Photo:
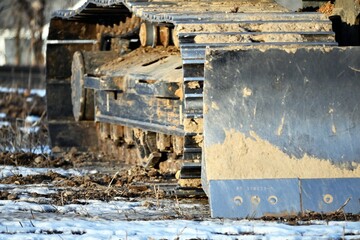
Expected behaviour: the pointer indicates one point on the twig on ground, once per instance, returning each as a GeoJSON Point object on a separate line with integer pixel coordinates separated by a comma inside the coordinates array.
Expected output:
{"type": "Point", "coordinates": [32, 214]}
{"type": "Point", "coordinates": [157, 195]}
{"type": "Point", "coordinates": [178, 206]}
{"type": "Point", "coordinates": [342, 207]}
{"type": "Point", "coordinates": [112, 180]}
{"type": "Point", "coordinates": [180, 233]}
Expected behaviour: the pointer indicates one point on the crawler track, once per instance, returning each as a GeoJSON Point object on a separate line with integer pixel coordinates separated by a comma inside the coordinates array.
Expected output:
{"type": "Point", "coordinates": [171, 136]}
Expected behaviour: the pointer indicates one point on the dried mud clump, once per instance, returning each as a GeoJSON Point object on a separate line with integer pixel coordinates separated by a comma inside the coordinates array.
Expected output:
{"type": "Point", "coordinates": [32, 179]}
{"type": "Point", "coordinates": [5, 195]}
{"type": "Point", "coordinates": [326, 8]}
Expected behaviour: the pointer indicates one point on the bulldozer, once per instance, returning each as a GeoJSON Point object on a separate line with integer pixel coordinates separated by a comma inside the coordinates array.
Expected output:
{"type": "Point", "coordinates": [253, 100]}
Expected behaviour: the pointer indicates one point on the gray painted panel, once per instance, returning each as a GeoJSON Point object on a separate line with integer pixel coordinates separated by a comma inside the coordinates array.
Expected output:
{"type": "Point", "coordinates": [254, 198]}
{"type": "Point", "coordinates": [328, 195]}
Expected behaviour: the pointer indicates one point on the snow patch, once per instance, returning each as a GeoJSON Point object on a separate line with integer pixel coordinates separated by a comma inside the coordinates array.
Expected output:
{"type": "Point", "coordinates": [39, 92]}
{"type": "Point", "coordinates": [4, 124]}
{"type": "Point", "coordinates": [8, 171]}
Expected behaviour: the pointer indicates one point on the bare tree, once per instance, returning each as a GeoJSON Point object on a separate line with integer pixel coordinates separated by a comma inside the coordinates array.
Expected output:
{"type": "Point", "coordinates": [33, 12]}
{"type": "Point", "coordinates": [23, 15]}
{"type": "Point", "coordinates": [31, 15]}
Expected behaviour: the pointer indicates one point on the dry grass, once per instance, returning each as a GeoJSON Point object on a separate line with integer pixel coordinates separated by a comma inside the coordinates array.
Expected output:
{"type": "Point", "coordinates": [17, 134]}
{"type": "Point", "coordinates": [21, 136]}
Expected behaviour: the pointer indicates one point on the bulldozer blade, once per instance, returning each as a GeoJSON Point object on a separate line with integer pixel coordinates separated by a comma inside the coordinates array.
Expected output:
{"type": "Point", "coordinates": [282, 130]}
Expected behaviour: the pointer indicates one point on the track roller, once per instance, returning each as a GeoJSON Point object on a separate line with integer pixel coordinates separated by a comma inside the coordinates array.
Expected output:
{"type": "Point", "coordinates": [148, 34]}
{"type": "Point", "coordinates": [85, 63]}
{"type": "Point", "coordinates": [147, 149]}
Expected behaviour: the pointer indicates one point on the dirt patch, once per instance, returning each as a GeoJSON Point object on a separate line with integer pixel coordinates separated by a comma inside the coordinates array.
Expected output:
{"type": "Point", "coordinates": [188, 7]}
{"type": "Point", "coordinates": [307, 218]}
{"type": "Point", "coordinates": [207, 38]}
{"type": "Point", "coordinates": [255, 27]}
{"type": "Point", "coordinates": [257, 158]}
{"type": "Point", "coordinates": [133, 182]}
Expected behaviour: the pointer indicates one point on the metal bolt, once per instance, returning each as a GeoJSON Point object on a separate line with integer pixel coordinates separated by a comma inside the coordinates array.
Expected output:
{"type": "Point", "coordinates": [328, 198]}
{"type": "Point", "coordinates": [238, 200]}
{"type": "Point", "coordinates": [255, 200]}
{"type": "Point", "coordinates": [273, 200]}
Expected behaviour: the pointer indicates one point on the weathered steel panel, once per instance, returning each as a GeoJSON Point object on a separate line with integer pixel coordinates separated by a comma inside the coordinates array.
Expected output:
{"type": "Point", "coordinates": [330, 195]}
{"type": "Point", "coordinates": [283, 113]}
{"type": "Point", "coordinates": [254, 198]}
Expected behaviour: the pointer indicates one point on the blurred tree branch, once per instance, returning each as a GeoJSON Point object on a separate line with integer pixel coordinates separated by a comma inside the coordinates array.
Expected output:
{"type": "Point", "coordinates": [31, 15]}
{"type": "Point", "coordinates": [23, 15]}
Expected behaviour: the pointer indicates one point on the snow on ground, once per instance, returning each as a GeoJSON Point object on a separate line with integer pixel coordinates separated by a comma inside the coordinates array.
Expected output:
{"type": "Point", "coordinates": [7, 171]}
{"type": "Point", "coordinates": [37, 149]}
{"type": "Point", "coordinates": [32, 119]}
{"type": "Point", "coordinates": [34, 218]}
{"type": "Point", "coordinates": [39, 92]}
{"type": "Point", "coordinates": [99, 220]}
{"type": "Point", "coordinates": [4, 124]}
{"type": "Point", "coordinates": [30, 126]}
